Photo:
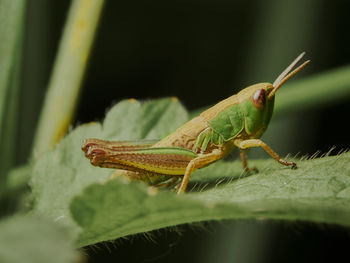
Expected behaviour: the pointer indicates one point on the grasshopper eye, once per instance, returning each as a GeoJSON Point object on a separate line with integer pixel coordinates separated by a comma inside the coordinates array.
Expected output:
{"type": "Point", "coordinates": [259, 99]}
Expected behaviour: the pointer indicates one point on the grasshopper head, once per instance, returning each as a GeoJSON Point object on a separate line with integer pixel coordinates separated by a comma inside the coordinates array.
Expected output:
{"type": "Point", "coordinates": [257, 107]}
{"type": "Point", "coordinates": [258, 100]}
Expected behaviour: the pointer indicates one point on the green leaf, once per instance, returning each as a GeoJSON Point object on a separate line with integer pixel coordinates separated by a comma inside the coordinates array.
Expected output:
{"type": "Point", "coordinates": [28, 239]}
{"type": "Point", "coordinates": [319, 191]}
{"type": "Point", "coordinates": [64, 172]}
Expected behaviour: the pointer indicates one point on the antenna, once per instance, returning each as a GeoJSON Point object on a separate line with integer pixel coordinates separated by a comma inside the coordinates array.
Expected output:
{"type": "Point", "coordinates": [286, 74]}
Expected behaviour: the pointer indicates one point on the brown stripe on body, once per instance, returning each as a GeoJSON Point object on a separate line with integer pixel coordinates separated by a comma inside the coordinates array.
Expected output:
{"type": "Point", "coordinates": [170, 161]}
{"type": "Point", "coordinates": [122, 164]}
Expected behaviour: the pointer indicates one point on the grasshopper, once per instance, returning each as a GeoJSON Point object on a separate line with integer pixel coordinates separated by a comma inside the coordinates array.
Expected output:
{"type": "Point", "coordinates": [238, 121]}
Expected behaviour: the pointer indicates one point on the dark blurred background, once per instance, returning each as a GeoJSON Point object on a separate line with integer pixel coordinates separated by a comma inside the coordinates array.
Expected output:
{"type": "Point", "coordinates": [202, 52]}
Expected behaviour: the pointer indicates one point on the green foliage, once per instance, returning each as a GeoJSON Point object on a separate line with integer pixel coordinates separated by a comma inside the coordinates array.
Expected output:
{"type": "Point", "coordinates": [11, 25]}
{"type": "Point", "coordinates": [33, 240]}
{"type": "Point", "coordinates": [70, 191]}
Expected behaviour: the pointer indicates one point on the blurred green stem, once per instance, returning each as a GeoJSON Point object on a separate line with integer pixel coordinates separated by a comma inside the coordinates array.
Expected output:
{"type": "Point", "coordinates": [68, 71]}
{"type": "Point", "coordinates": [307, 93]}
{"type": "Point", "coordinates": [11, 31]}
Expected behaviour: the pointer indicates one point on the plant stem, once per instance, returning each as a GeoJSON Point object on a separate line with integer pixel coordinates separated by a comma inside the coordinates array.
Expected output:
{"type": "Point", "coordinates": [69, 68]}
{"type": "Point", "coordinates": [326, 87]}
